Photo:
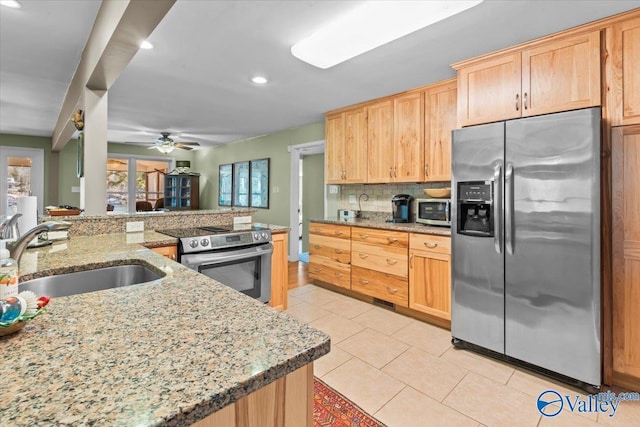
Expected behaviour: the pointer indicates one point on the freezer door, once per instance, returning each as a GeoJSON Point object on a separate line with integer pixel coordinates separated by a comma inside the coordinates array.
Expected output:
{"type": "Point", "coordinates": [477, 296]}
{"type": "Point", "coordinates": [552, 238]}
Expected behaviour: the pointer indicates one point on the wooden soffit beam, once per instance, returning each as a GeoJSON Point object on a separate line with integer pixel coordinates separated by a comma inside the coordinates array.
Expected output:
{"type": "Point", "coordinates": [119, 28]}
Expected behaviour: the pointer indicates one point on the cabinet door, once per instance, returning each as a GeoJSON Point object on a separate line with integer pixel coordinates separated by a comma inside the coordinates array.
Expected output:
{"type": "Point", "coordinates": [439, 120]}
{"type": "Point", "coordinates": [489, 91]}
{"type": "Point", "coordinates": [170, 252]}
{"type": "Point", "coordinates": [279, 272]}
{"type": "Point", "coordinates": [626, 75]}
{"type": "Point", "coordinates": [408, 135]}
{"type": "Point", "coordinates": [334, 149]}
{"type": "Point", "coordinates": [355, 146]}
{"type": "Point", "coordinates": [380, 142]}
{"type": "Point", "coordinates": [626, 256]}
{"type": "Point", "coordinates": [561, 75]}
{"type": "Point", "coordinates": [430, 283]}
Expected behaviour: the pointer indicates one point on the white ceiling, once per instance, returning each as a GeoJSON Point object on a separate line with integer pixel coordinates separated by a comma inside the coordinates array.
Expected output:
{"type": "Point", "coordinates": [195, 82]}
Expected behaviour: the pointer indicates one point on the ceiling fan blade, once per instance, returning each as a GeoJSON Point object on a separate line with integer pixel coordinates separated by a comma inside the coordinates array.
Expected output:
{"type": "Point", "coordinates": [152, 147]}
{"type": "Point", "coordinates": [182, 146]}
{"type": "Point", "coordinates": [188, 143]}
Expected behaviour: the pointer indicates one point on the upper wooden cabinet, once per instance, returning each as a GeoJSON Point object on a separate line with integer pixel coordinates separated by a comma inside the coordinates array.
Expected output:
{"type": "Point", "coordinates": [346, 147]}
{"type": "Point", "coordinates": [408, 137]}
{"type": "Point", "coordinates": [624, 78]}
{"type": "Point", "coordinates": [380, 141]}
{"type": "Point", "coordinates": [558, 75]}
{"type": "Point", "coordinates": [440, 102]}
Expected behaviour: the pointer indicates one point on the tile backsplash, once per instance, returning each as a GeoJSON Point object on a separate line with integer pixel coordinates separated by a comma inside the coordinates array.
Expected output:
{"type": "Point", "coordinates": [380, 194]}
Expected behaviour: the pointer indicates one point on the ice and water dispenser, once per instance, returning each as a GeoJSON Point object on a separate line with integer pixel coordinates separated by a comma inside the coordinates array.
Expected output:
{"type": "Point", "coordinates": [475, 208]}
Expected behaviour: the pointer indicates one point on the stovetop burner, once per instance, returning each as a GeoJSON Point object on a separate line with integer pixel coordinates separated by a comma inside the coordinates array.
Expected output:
{"type": "Point", "coordinates": [216, 230]}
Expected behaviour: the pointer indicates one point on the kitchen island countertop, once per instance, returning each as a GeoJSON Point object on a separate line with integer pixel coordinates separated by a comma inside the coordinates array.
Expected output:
{"type": "Point", "coordinates": [164, 353]}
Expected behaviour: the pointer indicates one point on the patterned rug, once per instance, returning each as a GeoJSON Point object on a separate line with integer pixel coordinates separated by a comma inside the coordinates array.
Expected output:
{"type": "Point", "coordinates": [331, 409]}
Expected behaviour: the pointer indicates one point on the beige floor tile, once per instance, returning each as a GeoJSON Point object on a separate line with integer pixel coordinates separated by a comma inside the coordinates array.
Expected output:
{"type": "Point", "coordinates": [492, 403]}
{"type": "Point", "coordinates": [306, 312]}
{"type": "Point", "coordinates": [302, 289]}
{"type": "Point", "coordinates": [329, 362]}
{"type": "Point", "coordinates": [426, 373]}
{"type": "Point", "coordinates": [337, 327]}
{"type": "Point", "coordinates": [534, 384]}
{"type": "Point", "coordinates": [424, 336]}
{"type": "Point", "coordinates": [627, 415]}
{"type": "Point", "coordinates": [319, 296]}
{"type": "Point", "coordinates": [411, 408]}
{"type": "Point", "coordinates": [292, 300]}
{"type": "Point", "coordinates": [384, 321]}
{"type": "Point", "coordinates": [348, 307]}
{"type": "Point", "coordinates": [365, 385]}
{"type": "Point", "coordinates": [483, 365]}
{"type": "Point", "coordinates": [567, 419]}
{"type": "Point", "coordinates": [373, 347]}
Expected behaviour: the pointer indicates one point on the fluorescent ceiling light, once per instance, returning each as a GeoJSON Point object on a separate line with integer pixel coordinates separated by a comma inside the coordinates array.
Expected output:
{"type": "Point", "coordinates": [10, 3]}
{"type": "Point", "coordinates": [146, 45]}
{"type": "Point", "coordinates": [260, 80]}
{"type": "Point", "coordinates": [371, 25]}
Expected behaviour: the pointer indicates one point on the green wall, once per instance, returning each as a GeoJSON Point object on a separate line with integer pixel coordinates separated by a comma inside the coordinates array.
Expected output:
{"type": "Point", "coordinates": [312, 193]}
{"type": "Point", "coordinates": [24, 141]}
{"type": "Point", "coordinates": [67, 177]}
{"type": "Point", "coordinates": [273, 146]}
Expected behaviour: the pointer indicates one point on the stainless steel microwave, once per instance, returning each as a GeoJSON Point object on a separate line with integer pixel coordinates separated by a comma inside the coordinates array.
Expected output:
{"type": "Point", "coordinates": [434, 211]}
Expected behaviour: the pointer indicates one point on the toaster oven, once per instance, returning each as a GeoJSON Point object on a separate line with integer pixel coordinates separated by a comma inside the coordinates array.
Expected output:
{"type": "Point", "coordinates": [434, 212]}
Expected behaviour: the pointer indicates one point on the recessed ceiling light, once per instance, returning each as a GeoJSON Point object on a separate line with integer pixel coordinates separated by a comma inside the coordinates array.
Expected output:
{"type": "Point", "coordinates": [259, 80]}
{"type": "Point", "coordinates": [146, 45]}
{"type": "Point", "coordinates": [371, 25]}
{"type": "Point", "coordinates": [10, 3]}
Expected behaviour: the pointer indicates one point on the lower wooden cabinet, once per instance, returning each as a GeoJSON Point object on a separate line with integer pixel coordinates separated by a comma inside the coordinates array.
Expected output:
{"type": "Point", "coordinates": [430, 275]}
{"type": "Point", "coordinates": [384, 286]}
{"type": "Point", "coordinates": [279, 272]}
{"type": "Point", "coordinates": [330, 254]}
{"type": "Point", "coordinates": [170, 251]}
{"type": "Point", "coordinates": [623, 367]}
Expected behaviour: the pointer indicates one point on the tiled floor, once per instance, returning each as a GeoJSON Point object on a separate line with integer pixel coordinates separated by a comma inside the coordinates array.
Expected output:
{"type": "Point", "coordinates": [406, 373]}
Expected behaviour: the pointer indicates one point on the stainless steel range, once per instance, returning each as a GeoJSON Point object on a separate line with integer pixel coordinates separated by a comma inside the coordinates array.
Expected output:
{"type": "Point", "coordinates": [240, 259]}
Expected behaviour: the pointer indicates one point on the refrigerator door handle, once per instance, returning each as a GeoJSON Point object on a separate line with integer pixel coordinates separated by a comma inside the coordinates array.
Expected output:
{"type": "Point", "coordinates": [508, 201]}
{"type": "Point", "coordinates": [497, 208]}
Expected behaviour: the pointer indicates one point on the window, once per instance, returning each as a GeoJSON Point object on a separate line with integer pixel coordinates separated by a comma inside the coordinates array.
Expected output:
{"type": "Point", "coordinates": [244, 184]}
{"type": "Point", "coordinates": [134, 179]}
{"type": "Point", "coordinates": [24, 172]}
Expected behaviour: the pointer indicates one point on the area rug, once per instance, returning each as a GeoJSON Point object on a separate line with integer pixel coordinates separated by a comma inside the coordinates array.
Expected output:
{"type": "Point", "coordinates": [331, 409]}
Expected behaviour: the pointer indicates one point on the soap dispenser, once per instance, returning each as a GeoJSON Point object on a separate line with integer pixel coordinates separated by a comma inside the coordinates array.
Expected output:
{"type": "Point", "coordinates": [8, 272]}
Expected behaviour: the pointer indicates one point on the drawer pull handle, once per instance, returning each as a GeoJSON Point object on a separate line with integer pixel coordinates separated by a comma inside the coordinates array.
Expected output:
{"type": "Point", "coordinates": [317, 246]}
{"type": "Point", "coordinates": [392, 239]}
{"type": "Point", "coordinates": [339, 251]}
{"type": "Point", "coordinates": [364, 236]}
{"type": "Point", "coordinates": [363, 256]}
{"type": "Point", "coordinates": [338, 275]}
{"type": "Point", "coordinates": [411, 261]}
{"type": "Point", "coordinates": [338, 233]}
{"type": "Point", "coordinates": [392, 261]}
{"type": "Point", "coordinates": [392, 290]}
{"type": "Point", "coordinates": [431, 245]}
{"type": "Point", "coordinates": [364, 282]}
{"type": "Point", "coordinates": [517, 102]}
{"type": "Point", "coordinates": [316, 270]}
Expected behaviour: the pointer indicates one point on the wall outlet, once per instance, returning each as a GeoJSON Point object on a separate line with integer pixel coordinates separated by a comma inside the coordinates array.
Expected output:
{"type": "Point", "coordinates": [241, 220]}
{"type": "Point", "coordinates": [334, 189]}
{"type": "Point", "coordinates": [352, 198]}
{"type": "Point", "coordinates": [135, 226]}
{"type": "Point", "coordinates": [75, 189]}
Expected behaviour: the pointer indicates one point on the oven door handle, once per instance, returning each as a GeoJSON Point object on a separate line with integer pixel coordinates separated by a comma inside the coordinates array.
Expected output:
{"type": "Point", "coordinates": [212, 258]}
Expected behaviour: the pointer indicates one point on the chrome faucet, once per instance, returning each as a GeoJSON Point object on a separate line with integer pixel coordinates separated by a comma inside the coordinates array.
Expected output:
{"type": "Point", "coordinates": [9, 227]}
{"type": "Point", "coordinates": [17, 248]}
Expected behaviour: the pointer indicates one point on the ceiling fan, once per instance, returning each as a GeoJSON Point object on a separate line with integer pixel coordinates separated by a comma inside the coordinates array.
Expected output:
{"type": "Point", "coordinates": [165, 145]}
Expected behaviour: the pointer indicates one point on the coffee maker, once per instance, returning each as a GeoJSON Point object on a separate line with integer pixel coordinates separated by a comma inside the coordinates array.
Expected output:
{"type": "Point", "coordinates": [402, 208]}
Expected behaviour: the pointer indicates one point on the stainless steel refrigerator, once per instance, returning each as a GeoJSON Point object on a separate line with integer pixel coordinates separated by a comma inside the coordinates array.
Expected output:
{"type": "Point", "coordinates": [526, 241]}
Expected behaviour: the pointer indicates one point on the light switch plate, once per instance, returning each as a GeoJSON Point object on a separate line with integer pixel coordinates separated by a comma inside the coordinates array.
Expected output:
{"type": "Point", "coordinates": [241, 220]}
{"type": "Point", "coordinates": [352, 198]}
{"type": "Point", "coordinates": [135, 226]}
{"type": "Point", "coordinates": [334, 189]}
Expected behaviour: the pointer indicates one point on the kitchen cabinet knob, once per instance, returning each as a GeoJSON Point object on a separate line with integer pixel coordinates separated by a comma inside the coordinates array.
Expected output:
{"type": "Point", "coordinates": [364, 282]}
{"type": "Point", "coordinates": [392, 261]}
{"type": "Point", "coordinates": [363, 256]}
{"type": "Point", "coordinates": [431, 245]}
{"type": "Point", "coordinates": [392, 239]}
{"type": "Point", "coordinates": [525, 101]}
{"type": "Point", "coordinates": [517, 102]}
{"type": "Point", "coordinates": [392, 290]}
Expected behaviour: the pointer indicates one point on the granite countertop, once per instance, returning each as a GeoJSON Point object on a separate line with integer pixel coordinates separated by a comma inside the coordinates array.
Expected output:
{"type": "Point", "coordinates": [137, 215]}
{"type": "Point", "coordinates": [163, 353]}
{"type": "Point", "coordinates": [411, 227]}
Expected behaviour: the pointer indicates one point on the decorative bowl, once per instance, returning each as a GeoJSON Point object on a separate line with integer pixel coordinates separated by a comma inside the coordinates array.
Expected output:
{"type": "Point", "coordinates": [438, 192]}
{"type": "Point", "coordinates": [8, 328]}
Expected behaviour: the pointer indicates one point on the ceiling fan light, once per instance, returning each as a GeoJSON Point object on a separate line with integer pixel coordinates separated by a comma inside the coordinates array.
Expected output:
{"type": "Point", "coordinates": [165, 149]}
{"type": "Point", "coordinates": [371, 25]}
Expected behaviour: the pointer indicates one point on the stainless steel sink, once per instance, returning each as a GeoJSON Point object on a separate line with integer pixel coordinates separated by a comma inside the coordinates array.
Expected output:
{"type": "Point", "coordinates": [98, 279]}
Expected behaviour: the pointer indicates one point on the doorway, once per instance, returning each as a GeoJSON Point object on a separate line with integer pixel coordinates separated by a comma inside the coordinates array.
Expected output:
{"type": "Point", "coordinates": [22, 171]}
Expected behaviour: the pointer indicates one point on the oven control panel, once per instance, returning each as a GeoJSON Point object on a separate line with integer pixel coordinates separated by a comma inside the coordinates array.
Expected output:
{"type": "Point", "coordinates": [225, 240]}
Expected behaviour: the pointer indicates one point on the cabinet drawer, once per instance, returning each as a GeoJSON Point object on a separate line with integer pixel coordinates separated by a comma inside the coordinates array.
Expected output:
{"type": "Point", "coordinates": [330, 247]}
{"type": "Point", "coordinates": [335, 274]}
{"type": "Point", "coordinates": [387, 260]}
{"type": "Point", "coordinates": [431, 243]}
{"type": "Point", "coordinates": [374, 236]}
{"type": "Point", "coordinates": [331, 230]}
{"type": "Point", "coordinates": [380, 285]}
